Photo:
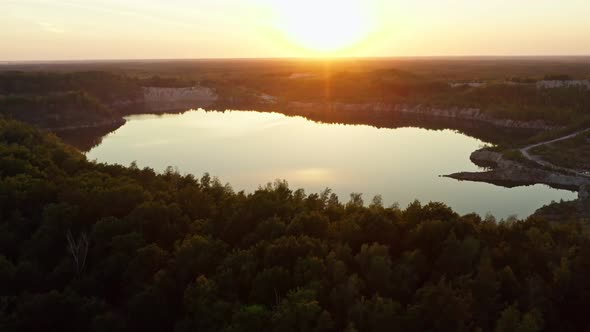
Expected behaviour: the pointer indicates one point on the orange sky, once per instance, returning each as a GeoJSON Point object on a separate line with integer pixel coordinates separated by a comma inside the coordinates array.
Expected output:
{"type": "Point", "coordinates": [132, 29]}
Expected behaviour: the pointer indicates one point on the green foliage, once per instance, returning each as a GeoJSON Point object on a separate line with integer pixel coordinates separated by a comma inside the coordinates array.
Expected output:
{"type": "Point", "coordinates": [61, 100]}
{"type": "Point", "coordinates": [300, 311]}
{"type": "Point", "coordinates": [64, 100]}
{"type": "Point", "coordinates": [524, 102]}
{"type": "Point", "coordinates": [103, 85]}
{"type": "Point", "coordinates": [571, 153]}
{"type": "Point", "coordinates": [171, 252]}
{"type": "Point", "coordinates": [511, 319]}
{"type": "Point", "coordinates": [60, 110]}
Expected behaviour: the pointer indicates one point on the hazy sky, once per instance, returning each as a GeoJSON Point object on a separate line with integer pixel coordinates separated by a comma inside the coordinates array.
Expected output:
{"type": "Point", "coordinates": [130, 29]}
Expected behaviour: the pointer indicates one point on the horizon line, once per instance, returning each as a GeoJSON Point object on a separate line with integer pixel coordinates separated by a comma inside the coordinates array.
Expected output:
{"type": "Point", "coordinates": [317, 58]}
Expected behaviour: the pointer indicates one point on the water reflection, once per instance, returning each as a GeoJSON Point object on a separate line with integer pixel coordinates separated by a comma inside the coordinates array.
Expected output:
{"type": "Point", "coordinates": [248, 149]}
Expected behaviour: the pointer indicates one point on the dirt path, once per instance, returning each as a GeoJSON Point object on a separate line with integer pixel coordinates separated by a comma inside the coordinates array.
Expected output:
{"type": "Point", "coordinates": [526, 153]}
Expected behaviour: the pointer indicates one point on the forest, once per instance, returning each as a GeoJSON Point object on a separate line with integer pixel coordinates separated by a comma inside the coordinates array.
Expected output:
{"type": "Point", "coordinates": [86, 246]}
{"type": "Point", "coordinates": [61, 100]}
{"type": "Point", "coordinates": [57, 110]}
{"type": "Point", "coordinates": [506, 87]}
{"type": "Point", "coordinates": [53, 100]}
{"type": "Point", "coordinates": [103, 85]}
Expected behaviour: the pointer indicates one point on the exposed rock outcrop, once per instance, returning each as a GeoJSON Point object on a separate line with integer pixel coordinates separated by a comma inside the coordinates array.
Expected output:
{"type": "Point", "coordinates": [553, 84]}
{"type": "Point", "coordinates": [151, 94]}
{"type": "Point", "coordinates": [167, 99]}
{"type": "Point", "coordinates": [467, 84]}
{"type": "Point", "coordinates": [471, 114]}
{"type": "Point", "coordinates": [511, 174]}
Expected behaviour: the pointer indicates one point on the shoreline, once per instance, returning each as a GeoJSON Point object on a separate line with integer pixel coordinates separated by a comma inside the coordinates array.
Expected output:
{"type": "Point", "coordinates": [94, 125]}
{"type": "Point", "coordinates": [504, 172]}
{"type": "Point", "coordinates": [458, 113]}
{"type": "Point", "coordinates": [510, 173]}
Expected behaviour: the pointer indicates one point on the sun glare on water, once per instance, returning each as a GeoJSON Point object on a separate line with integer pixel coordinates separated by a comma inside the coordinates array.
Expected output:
{"type": "Point", "coordinates": [324, 26]}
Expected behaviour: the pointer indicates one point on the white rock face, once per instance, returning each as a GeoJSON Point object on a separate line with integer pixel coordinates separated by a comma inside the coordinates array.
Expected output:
{"type": "Point", "coordinates": [560, 84]}
{"type": "Point", "coordinates": [174, 99]}
{"type": "Point", "coordinates": [469, 84]}
{"type": "Point", "coordinates": [298, 76]}
{"type": "Point", "coordinates": [268, 99]}
{"type": "Point", "coordinates": [474, 114]}
{"type": "Point", "coordinates": [165, 95]}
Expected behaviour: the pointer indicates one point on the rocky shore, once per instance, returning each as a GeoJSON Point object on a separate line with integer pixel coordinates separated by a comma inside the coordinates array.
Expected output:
{"type": "Point", "coordinates": [511, 174]}
{"type": "Point", "coordinates": [168, 99]}
{"type": "Point", "coordinates": [471, 114]}
{"type": "Point", "coordinates": [151, 100]}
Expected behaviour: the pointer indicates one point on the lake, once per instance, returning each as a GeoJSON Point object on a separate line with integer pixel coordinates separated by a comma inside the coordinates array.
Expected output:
{"type": "Point", "coordinates": [248, 149]}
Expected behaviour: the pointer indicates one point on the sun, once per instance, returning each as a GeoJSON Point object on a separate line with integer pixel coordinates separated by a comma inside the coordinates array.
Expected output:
{"type": "Point", "coordinates": [323, 26]}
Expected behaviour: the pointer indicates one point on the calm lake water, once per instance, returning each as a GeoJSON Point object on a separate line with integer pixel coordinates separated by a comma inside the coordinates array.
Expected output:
{"type": "Point", "coordinates": [248, 149]}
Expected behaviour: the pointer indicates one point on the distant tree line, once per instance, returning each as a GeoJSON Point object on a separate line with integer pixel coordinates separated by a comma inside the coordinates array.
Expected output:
{"type": "Point", "coordinates": [106, 87]}
{"type": "Point", "coordinates": [564, 105]}
{"type": "Point", "coordinates": [62, 99]}
{"type": "Point", "coordinates": [56, 110]}
{"type": "Point", "coordinates": [522, 101]}
{"type": "Point", "coordinates": [557, 77]}
{"type": "Point", "coordinates": [103, 85]}
{"type": "Point", "coordinates": [501, 99]}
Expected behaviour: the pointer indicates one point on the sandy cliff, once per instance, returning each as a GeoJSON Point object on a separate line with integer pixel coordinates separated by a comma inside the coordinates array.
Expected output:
{"type": "Point", "coordinates": [472, 114]}
{"type": "Point", "coordinates": [169, 99]}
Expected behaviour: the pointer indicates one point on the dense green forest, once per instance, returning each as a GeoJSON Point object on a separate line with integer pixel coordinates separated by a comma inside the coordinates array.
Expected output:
{"type": "Point", "coordinates": [62, 100]}
{"type": "Point", "coordinates": [503, 94]}
{"type": "Point", "coordinates": [95, 247]}
{"type": "Point", "coordinates": [104, 86]}
{"type": "Point", "coordinates": [500, 98]}
{"type": "Point", "coordinates": [75, 99]}
{"type": "Point", "coordinates": [562, 106]}
{"type": "Point", "coordinates": [56, 110]}
{"type": "Point", "coordinates": [108, 87]}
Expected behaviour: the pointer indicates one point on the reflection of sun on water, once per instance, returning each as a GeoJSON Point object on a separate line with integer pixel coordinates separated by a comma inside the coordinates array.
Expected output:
{"type": "Point", "coordinates": [324, 26]}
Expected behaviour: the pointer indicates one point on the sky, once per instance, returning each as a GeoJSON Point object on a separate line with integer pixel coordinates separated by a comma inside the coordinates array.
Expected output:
{"type": "Point", "coordinates": [168, 29]}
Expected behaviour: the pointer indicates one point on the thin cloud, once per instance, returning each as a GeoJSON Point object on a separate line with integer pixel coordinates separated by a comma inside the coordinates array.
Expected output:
{"type": "Point", "coordinates": [43, 25]}
{"type": "Point", "coordinates": [110, 8]}
{"type": "Point", "coordinates": [50, 27]}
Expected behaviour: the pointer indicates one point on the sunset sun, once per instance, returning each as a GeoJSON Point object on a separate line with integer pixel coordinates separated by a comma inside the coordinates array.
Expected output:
{"type": "Point", "coordinates": [325, 26]}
